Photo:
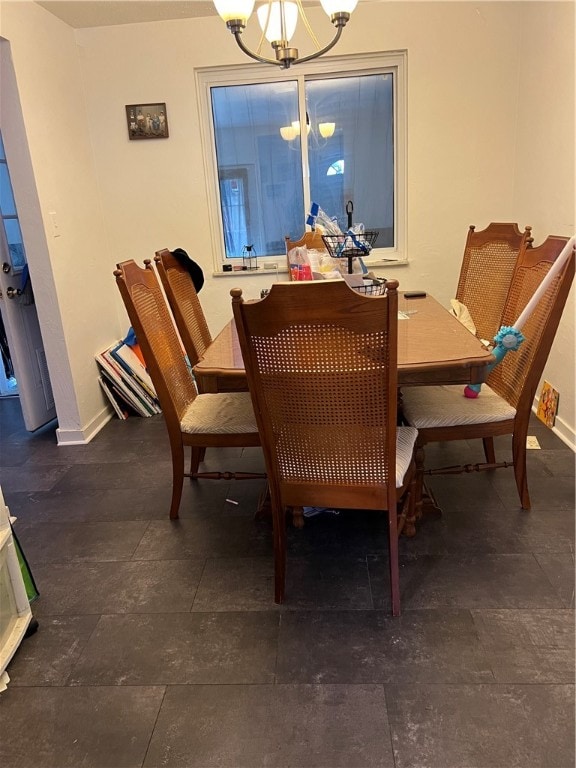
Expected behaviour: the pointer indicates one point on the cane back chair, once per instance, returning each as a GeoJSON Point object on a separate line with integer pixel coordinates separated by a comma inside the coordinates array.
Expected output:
{"type": "Point", "coordinates": [486, 273]}
{"type": "Point", "coordinates": [196, 420]}
{"type": "Point", "coordinates": [308, 239]}
{"type": "Point", "coordinates": [505, 402]}
{"type": "Point", "coordinates": [184, 303]}
{"type": "Point", "coordinates": [321, 362]}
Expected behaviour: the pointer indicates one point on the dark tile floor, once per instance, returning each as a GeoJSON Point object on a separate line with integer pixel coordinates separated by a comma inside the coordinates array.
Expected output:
{"type": "Point", "coordinates": [160, 645]}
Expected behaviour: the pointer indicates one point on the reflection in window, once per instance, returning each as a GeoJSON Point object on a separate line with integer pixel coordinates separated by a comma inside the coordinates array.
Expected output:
{"type": "Point", "coordinates": [281, 144]}
{"type": "Point", "coordinates": [335, 168]}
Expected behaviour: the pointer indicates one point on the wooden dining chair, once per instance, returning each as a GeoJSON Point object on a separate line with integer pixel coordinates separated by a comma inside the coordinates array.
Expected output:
{"type": "Point", "coordinates": [321, 362]}
{"type": "Point", "coordinates": [490, 257]}
{"type": "Point", "coordinates": [196, 420]}
{"type": "Point", "coordinates": [184, 303]}
{"type": "Point", "coordinates": [488, 263]}
{"type": "Point", "coordinates": [312, 240]}
{"type": "Point", "coordinates": [505, 402]}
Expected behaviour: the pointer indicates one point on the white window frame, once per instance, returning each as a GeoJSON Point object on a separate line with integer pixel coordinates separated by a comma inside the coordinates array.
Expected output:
{"type": "Point", "coordinates": [332, 66]}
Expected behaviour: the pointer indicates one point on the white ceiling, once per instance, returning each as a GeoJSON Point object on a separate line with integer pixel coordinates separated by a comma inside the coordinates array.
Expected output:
{"type": "Point", "coordinates": [105, 13]}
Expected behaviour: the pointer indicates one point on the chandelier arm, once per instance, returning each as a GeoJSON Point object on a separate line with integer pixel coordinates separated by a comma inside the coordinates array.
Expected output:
{"type": "Point", "coordinates": [248, 52]}
{"type": "Point", "coordinates": [307, 25]}
{"type": "Point", "coordinates": [322, 51]}
{"type": "Point", "coordinates": [263, 32]}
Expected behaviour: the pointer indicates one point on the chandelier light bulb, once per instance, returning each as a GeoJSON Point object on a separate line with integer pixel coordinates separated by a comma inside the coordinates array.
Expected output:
{"type": "Point", "coordinates": [333, 7]}
{"type": "Point", "coordinates": [278, 20]}
{"type": "Point", "coordinates": [234, 9]}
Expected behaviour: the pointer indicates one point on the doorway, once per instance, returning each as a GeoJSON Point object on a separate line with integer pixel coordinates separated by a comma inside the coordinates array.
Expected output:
{"type": "Point", "coordinates": [8, 383]}
{"type": "Point", "coordinates": [24, 368]}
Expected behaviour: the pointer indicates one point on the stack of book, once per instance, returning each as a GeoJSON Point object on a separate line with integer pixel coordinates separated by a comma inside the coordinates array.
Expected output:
{"type": "Point", "coordinates": [126, 382]}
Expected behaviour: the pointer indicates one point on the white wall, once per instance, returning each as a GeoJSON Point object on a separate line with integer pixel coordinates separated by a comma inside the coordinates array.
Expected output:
{"type": "Point", "coordinates": [467, 72]}
{"type": "Point", "coordinates": [463, 84]}
{"type": "Point", "coordinates": [545, 164]}
{"type": "Point", "coordinates": [71, 273]}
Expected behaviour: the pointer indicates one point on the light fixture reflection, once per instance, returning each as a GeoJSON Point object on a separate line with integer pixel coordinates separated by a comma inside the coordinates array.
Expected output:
{"type": "Point", "coordinates": [326, 129]}
{"type": "Point", "coordinates": [290, 132]}
{"type": "Point", "coordinates": [296, 126]}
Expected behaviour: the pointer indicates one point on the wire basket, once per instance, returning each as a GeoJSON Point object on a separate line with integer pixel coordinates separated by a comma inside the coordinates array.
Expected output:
{"type": "Point", "coordinates": [343, 246]}
{"type": "Point", "coordinates": [371, 287]}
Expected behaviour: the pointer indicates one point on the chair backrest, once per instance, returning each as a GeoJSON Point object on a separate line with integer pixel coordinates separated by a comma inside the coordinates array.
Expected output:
{"type": "Point", "coordinates": [321, 362]}
{"type": "Point", "coordinates": [486, 272]}
{"type": "Point", "coordinates": [184, 303]}
{"type": "Point", "coordinates": [312, 240]}
{"type": "Point", "coordinates": [157, 337]}
{"type": "Point", "coordinates": [309, 239]}
{"type": "Point", "coordinates": [516, 377]}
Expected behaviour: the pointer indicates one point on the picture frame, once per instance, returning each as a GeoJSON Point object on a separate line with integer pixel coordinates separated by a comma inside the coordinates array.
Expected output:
{"type": "Point", "coordinates": [147, 121]}
{"type": "Point", "coordinates": [548, 404]}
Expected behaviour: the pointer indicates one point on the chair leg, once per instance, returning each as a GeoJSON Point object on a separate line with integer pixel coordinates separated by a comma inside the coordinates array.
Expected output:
{"type": "Point", "coordinates": [410, 519]}
{"type": "Point", "coordinates": [419, 482]}
{"type": "Point", "coordinates": [177, 478]}
{"type": "Point", "coordinates": [279, 523]}
{"type": "Point", "coordinates": [489, 453]}
{"type": "Point", "coordinates": [298, 517]}
{"type": "Point", "coordinates": [519, 459]}
{"type": "Point", "coordinates": [394, 567]}
{"type": "Point", "coordinates": [196, 456]}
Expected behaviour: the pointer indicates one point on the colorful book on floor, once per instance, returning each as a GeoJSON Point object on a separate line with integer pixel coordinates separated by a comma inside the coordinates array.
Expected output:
{"type": "Point", "coordinates": [116, 381]}
{"type": "Point", "coordinates": [116, 401]}
{"type": "Point", "coordinates": [125, 384]}
{"type": "Point", "coordinates": [129, 360]}
{"type": "Point", "coordinates": [131, 381]}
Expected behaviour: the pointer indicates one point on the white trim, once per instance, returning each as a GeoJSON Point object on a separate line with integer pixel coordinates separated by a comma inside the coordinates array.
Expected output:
{"type": "Point", "coordinates": [561, 429]}
{"type": "Point", "coordinates": [207, 77]}
{"type": "Point", "coordinates": [83, 436]}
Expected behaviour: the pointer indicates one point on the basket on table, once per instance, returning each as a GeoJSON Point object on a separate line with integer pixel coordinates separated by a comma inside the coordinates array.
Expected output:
{"type": "Point", "coordinates": [373, 286]}
{"type": "Point", "coordinates": [347, 246]}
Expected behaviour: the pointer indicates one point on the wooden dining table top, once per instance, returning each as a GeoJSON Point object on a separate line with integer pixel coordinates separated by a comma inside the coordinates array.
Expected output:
{"type": "Point", "coordinates": [433, 348]}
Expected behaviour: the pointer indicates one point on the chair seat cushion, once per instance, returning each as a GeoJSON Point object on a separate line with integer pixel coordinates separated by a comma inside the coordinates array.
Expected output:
{"type": "Point", "coordinates": [221, 413]}
{"type": "Point", "coordinates": [405, 440]}
{"type": "Point", "coordinates": [446, 406]}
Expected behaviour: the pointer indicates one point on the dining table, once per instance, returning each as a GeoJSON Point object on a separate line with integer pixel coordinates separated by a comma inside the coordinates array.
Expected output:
{"type": "Point", "coordinates": [433, 348]}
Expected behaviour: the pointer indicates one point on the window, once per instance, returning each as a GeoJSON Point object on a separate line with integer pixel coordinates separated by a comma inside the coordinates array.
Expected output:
{"type": "Point", "coordinates": [276, 141]}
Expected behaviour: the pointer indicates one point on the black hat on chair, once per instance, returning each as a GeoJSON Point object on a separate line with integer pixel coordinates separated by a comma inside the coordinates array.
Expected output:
{"type": "Point", "coordinates": [194, 269]}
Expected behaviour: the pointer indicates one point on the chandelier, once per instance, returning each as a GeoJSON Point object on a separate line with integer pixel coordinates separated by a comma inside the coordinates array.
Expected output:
{"type": "Point", "coordinates": [278, 19]}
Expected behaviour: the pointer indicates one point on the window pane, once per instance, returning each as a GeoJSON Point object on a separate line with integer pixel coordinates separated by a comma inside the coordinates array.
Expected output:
{"type": "Point", "coordinates": [259, 173]}
{"type": "Point", "coordinates": [357, 162]}
{"type": "Point", "coordinates": [7, 206]}
{"type": "Point", "coordinates": [15, 244]}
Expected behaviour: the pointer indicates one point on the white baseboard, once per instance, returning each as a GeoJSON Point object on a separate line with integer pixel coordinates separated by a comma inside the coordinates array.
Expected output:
{"type": "Point", "coordinates": [83, 436]}
{"type": "Point", "coordinates": [561, 429]}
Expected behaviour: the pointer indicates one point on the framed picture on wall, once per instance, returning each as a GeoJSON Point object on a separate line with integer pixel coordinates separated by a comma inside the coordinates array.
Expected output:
{"type": "Point", "coordinates": [147, 121]}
